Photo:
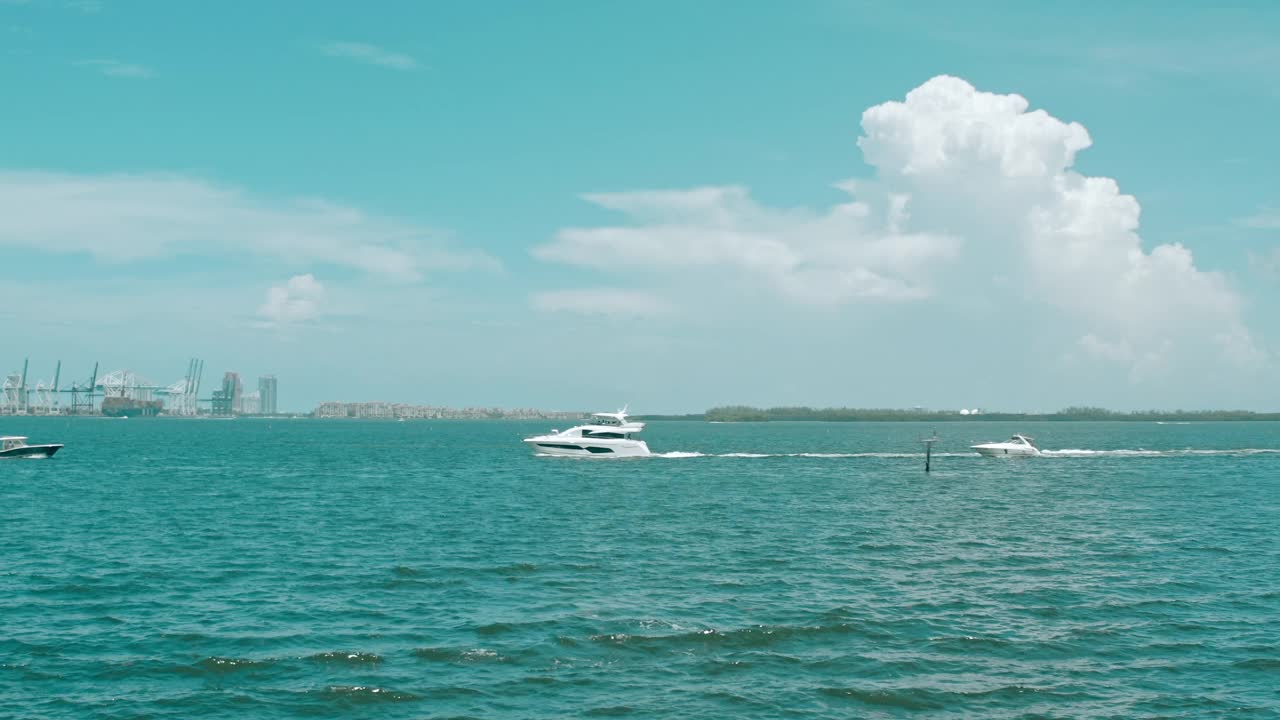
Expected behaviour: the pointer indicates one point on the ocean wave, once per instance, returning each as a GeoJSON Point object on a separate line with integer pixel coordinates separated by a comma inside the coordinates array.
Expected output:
{"type": "Point", "coordinates": [755, 637]}
{"type": "Point", "coordinates": [459, 655]}
{"type": "Point", "coordinates": [1272, 664]}
{"type": "Point", "coordinates": [933, 699]}
{"type": "Point", "coordinates": [346, 658]}
{"type": "Point", "coordinates": [610, 711]}
{"type": "Point", "coordinates": [219, 665]}
{"type": "Point", "coordinates": [366, 694]}
{"type": "Point", "coordinates": [909, 699]}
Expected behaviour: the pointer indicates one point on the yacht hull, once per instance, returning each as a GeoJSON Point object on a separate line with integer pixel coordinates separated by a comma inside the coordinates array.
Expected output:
{"type": "Point", "coordinates": [581, 447]}
{"type": "Point", "coordinates": [30, 452]}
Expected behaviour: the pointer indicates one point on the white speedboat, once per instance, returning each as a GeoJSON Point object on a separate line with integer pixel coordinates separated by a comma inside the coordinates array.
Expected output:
{"type": "Point", "coordinates": [603, 435]}
{"type": "Point", "coordinates": [1016, 446]}
{"type": "Point", "coordinates": [15, 446]}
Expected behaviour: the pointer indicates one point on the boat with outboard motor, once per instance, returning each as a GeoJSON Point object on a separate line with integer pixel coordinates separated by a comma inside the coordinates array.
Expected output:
{"type": "Point", "coordinates": [1017, 446]}
{"type": "Point", "coordinates": [15, 446]}
{"type": "Point", "coordinates": [603, 435]}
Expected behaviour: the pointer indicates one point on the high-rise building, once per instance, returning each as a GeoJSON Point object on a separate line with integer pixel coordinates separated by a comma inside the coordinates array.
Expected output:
{"type": "Point", "coordinates": [250, 404]}
{"type": "Point", "coordinates": [231, 391]}
{"type": "Point", "coordinates": [267, 395]}
{"type": "Point", "coordinates": [226, 399]}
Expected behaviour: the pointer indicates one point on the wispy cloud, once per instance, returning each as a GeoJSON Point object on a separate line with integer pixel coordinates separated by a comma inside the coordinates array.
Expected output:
{"type": "Point", "coordinates": [116, 68]}
{"type": "Point", "coordinates": [606, 302]}
{"type": "Point", "coordinates": [1266, 219]}
{"type": "Point", "coordinates": [123, 218]}
{"type": "Point", "coordinates": [1267, 262]}
{"type": "Point", "coordinates": [828, 258]}
{"type": "Point", "coordinates": [370, 54]}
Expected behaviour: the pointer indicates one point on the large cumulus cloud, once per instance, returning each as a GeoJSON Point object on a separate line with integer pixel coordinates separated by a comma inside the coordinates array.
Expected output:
{"type": "Point", "coordinates": [983, 167]}
{"type": "Point", "coordinates": [968, 184]}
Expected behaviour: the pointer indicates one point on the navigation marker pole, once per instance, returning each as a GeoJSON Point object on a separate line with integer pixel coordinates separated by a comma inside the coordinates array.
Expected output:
{"type": "Point", "coordinates": [928, 449]}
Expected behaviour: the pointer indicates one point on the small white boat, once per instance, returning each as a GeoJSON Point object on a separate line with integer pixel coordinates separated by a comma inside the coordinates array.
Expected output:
{"type": "Point", "coordinates": [1016, 446]}
{"type": "Point", "coordinates": [603, 435]}
{"type": "Point", "coordinates": [15, 446]}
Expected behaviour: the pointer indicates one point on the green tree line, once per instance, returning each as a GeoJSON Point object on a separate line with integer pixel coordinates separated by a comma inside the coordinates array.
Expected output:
{"type": "Point", "coordinates": [743, 413]}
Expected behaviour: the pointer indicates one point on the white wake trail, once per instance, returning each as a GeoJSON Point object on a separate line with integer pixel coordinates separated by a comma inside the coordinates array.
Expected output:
{"type": "Point", "coordinates": [1062, 454]}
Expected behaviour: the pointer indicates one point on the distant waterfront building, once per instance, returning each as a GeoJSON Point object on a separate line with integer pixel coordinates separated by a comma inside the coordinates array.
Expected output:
{"type": "Point", "coordinates": [228, 400]}
{"type": "Point", "coordinates": [267, 395]}
{"type": "Point", "coordinates": [250, 404]}
{"type": "Point", "coordinates": [237, 392]}
{"type": "Point", "coordinates": [403, 411]}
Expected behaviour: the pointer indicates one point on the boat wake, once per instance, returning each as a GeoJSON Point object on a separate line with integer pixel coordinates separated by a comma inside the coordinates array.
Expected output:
{"type": "Point", "coordinates": [681, 455]}
{"type": "Point", "coordinates": [1185, 452]}
{"type": "Point", "coordinates": [1067, 453]}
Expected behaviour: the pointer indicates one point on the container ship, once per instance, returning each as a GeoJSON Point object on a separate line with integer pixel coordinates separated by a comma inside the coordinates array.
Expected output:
{"type": "Point", "coordinates": [128, 407]}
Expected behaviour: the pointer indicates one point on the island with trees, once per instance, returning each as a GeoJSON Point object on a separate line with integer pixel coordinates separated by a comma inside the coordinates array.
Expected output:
{"type": "Point", "coordinates": [744, 413]}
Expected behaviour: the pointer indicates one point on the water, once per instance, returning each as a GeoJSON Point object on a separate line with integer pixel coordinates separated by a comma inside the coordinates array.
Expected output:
{"type": "Point", "coordinates": [282, 569]}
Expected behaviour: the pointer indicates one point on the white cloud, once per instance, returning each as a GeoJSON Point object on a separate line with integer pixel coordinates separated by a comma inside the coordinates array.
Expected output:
{"type": "Point", "coordinates": [1150, 363]}
{"type": "Point", "coordinates": [607, 302]}
{"type": "Point", "coordinates": [1267, 262]}
{"type": "Point", "coordinates": [116, 68]}
{"type": "Point", "coordinates": [298, 301]}
{"type": "Point", "coordinates": [845, 253]}
{"type": "Point", "coordinates": [1267, 219]}
{"type": "Point", "coordinates": [120, 218]}
{"type": "Point", "coordinates": [370, 54]}
{"type": "Point", "coordinates": [981, 165]}
{"type": "Point", "coordinates": [971, 183]}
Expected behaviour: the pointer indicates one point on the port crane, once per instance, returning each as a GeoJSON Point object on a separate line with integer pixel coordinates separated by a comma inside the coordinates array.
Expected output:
{"type": "Point", "coordinates": [13, 393]}
{"type": "Point", "coordinates": [47, 395]}
{"type": "Point", "coordinates": [19, 397]}
{"type": "Point", "coordinates": [82, 394]}
{"type": "Point", "coordinates": [126, 384]}
{"type": "Point", "coordinates": [182, 395]}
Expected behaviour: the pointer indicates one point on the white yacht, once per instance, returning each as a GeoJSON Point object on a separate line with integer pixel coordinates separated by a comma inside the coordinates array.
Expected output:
{"type": "Point", "coordinates": [603, 435]}
{"type": "Point", "coordinates": [15, 446]}
{"type": "Point", "coordinates": [1016, 446]}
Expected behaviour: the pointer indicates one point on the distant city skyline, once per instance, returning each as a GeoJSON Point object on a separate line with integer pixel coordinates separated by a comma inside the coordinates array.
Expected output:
{"type": "Point", "coordinates": [672, 205]}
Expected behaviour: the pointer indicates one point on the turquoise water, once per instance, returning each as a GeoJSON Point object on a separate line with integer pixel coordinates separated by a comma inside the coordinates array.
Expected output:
{"type": "Point", "coordinates": [282, 569]}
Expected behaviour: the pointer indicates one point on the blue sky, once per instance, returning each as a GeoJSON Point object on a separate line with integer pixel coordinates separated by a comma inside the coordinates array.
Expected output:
{"type": "Point", "coordinates": [581, 204]}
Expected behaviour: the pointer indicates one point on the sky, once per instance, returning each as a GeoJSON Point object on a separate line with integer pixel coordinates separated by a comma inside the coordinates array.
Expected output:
{"type": "Point", "coordinates": [1015, 206]}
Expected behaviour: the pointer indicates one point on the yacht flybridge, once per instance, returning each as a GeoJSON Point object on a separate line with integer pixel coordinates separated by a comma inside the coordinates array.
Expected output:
{"type": "Point", "coordinates": [1018, 445]}
{"type": "Point", "coordinates": [603, 435]}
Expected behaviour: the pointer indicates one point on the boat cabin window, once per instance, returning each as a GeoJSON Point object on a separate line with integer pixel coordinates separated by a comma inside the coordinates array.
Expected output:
{"type": "Point", "coordinates": [599, 434]}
